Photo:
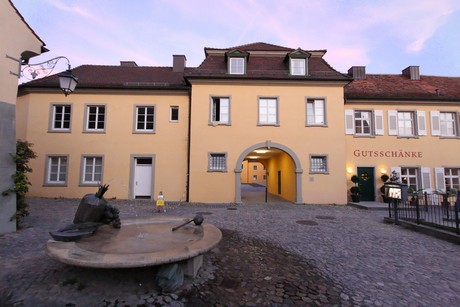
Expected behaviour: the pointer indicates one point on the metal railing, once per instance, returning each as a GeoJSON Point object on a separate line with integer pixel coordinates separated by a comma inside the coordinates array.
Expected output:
{"type": "Point", "coordinates": [439, 211]}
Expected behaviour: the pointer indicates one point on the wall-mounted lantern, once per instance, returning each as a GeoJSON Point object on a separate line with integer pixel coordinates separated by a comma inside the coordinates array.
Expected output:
{"type": "Point", "coordinates": [67, 80]}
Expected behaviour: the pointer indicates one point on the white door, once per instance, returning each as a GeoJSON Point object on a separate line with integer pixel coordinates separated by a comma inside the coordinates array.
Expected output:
{"type": "Point", "coordinates": [143, 178]}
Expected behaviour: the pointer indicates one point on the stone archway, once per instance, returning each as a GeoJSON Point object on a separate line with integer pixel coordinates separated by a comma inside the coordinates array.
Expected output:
{"type": "Point", "coordinates": [269, 144]}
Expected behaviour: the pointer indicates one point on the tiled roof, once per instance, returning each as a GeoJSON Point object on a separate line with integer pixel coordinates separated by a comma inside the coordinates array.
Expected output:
{"type": "Point", "coordinates": [264, 66]}
{"type": "Point", "coordinates": [115, 77]}
{"type": "Point", "coordinates": [394, 87]}
{"type": "Point", "coordinates": [259, 46]}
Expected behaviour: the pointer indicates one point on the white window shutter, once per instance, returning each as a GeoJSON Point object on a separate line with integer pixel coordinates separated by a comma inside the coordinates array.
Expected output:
{"type": "Point", "coordinates": [378, 120]}
{"type": "Point", "coordinates": [349, 122]}
{"type": "Point", "coordinates": [396, 169]}
{"type": "Point", "coordinates": [392, 122]}
{"type": "Point", "coordinates": [440, 182]}
{"type": "Point", "coordinates": [421, 122]}
{"type": "Point", "coordinates": [426, 178]}
{"type": "Point", "coordinates": [435, 124]}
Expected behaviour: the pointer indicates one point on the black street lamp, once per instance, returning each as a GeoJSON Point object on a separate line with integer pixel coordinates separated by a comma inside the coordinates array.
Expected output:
{"type": "Point", "coordinates": [67, 80]}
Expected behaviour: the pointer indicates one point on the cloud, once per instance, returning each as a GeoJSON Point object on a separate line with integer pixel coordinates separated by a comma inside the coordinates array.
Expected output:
{"type": "Point", "coordinates": [412, 25]}
{"type": "Point", "coordinates": [66, 7]}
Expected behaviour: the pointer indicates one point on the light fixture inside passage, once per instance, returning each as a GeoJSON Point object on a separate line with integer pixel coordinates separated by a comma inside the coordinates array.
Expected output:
{"type": "Point", "coordinates": [261, 151]}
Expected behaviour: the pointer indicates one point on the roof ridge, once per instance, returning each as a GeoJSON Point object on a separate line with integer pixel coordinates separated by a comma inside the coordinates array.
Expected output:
{"type": "Point", "coordinates": [401, 75]}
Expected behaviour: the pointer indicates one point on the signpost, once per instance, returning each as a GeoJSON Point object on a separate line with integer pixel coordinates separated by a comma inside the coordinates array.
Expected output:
{"type": "Point", "coordinates": [397, 192]}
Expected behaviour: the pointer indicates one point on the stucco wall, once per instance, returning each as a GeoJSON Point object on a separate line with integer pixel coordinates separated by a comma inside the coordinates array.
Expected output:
{"type": "Point", "coordinates": [168, 144]}
{"type": "Point", "coordinates": [243, 132]}
{"type": "Point", "coordinates": [15, 38]}
{"type": "Point", "coordinates": [385, 151]}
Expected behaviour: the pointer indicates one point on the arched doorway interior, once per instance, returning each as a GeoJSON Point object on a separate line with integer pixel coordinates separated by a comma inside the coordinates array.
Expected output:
{"type": "Point", "coordinates": [271, 148]}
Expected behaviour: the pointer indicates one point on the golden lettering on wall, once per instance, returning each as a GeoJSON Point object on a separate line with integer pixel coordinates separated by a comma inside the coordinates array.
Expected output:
{"type": "Point", "coordinates": [387, 154]}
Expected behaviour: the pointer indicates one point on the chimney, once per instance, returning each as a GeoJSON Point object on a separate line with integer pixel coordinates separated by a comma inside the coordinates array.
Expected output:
{"type": "Point", "coordinates": [179, 63]}
{"type": "Point", "coordinates": [128, 64]}
{"type": "Point", "coordinates": [357, 72]}
{"type": "Point", "coordinates": [412, 72]}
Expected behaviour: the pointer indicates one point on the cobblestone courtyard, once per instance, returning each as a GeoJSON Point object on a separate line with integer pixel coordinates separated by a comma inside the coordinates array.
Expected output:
{"type": "Point", "coordinates": [270, 255]}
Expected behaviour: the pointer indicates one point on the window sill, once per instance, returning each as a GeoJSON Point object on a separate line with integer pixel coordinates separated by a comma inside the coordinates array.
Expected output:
{"type": "Point", "coordinates": [95, 131]}
{"type": "Point", "coordinates": [268, 125]}
{"type": "Point", "coordinates": [320, 126]}
{"type": "Point", "coordinates": [59, 131]}
{"type": "Point", "coordinates": [408, 137]}
{"type": "Point", "coordinates": [144, 132]}
{"type": "Point", "coordinates": [445, 137]}
{"type": "Point", "coordinates": [318, 173]}
{"type": "Point", "coordinates": [217, 171]}
{"type": "Point", "coordinates": [215, 124]}
{"type": "Point", "coordinates": [363, 136]}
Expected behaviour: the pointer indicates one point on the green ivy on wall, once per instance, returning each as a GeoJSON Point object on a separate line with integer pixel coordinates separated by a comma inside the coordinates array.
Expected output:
{"type": "Point", "coordinates": [24, 154]}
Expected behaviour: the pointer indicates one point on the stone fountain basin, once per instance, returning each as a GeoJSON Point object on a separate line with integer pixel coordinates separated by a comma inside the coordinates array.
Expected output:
{"type": "Point", "coordinates": [139, 242]}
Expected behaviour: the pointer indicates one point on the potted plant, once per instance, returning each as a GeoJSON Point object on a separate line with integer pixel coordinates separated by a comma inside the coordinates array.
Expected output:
{"type": "Point", "coordinates": [355, 190]}
{"type": "Point", "coordinates": [384, 179]}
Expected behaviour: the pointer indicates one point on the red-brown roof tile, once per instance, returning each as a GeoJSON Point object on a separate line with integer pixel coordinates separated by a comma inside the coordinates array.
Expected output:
{"type": "Point", "coordinates": [99, 76]}
{"type": "Point", "coordinates": [397, 87]}
{"type": "Point", "coordinates": [264, 66]}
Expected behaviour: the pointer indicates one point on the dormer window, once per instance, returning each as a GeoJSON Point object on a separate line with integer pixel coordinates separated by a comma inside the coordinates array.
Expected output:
{"type": "Point", "coordinates": [298, 67]}
{"type": "Point", "coordinates": [236, 62]}
{"type": "Point", "coordinates": [298, 63]}
{"type": "Point", "coordinates": [236, 66]}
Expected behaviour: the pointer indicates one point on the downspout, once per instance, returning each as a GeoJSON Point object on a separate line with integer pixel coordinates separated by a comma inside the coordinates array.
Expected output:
{"type": "Point", "coordinates": [187, 187]}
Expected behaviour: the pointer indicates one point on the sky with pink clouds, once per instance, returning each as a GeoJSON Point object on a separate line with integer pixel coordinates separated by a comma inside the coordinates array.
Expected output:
{"type": "Point", "coordinates": [385, 36]}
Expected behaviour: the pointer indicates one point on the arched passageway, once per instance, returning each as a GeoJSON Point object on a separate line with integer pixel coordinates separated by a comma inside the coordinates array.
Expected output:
{"type": "Point", "coordinates": [283, 173]}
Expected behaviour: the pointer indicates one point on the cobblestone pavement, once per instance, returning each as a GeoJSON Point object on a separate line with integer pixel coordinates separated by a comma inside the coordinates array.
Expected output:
{"type": "Point", "coordinates": [273, 255]}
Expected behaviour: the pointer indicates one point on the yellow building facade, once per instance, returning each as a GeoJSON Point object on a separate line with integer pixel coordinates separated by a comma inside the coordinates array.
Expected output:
{"type": "Point", "coordinates": [192, 133]}
{"type": "Point", "coordinates": [253, 171]}
{"type": "Point", "coordinates": [407, 123]}
{"type": "Point", "coordinates": [16, 49]}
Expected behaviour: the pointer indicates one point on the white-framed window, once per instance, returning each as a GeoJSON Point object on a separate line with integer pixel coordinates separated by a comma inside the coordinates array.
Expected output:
{"type": "Point", "coordinates": [452, 178]}
{"type": "Point", "coordinates": [406, 123]}
{"type": "Point", "coordinates": [220, 110]}
{"type": "Point", "coordinates": [145, 119]}
{"type": "Point", "coordinates": [217, 162]}
{"type": "Point", "coordinates": [268, 111]}
{"type": "Point", "coordinates": [95, 118]}
{"type": "Point", "coordinates": [445, 123]}
{"type": "Point", "coordinates": [448, 123]}
{"type": "Point", "coordinates": [297, 67]}
{"type": "Point", "coordinates": [410, 177]}
{"type": "Point", "coordinates": [364, 122]}
{"type": "Point", "coordinates": [174, 114]}
{"type": "Point", "coordinates": [318, 164]}
{"type": "Point", "coordinates": [92, 170]}
{"type": "Point", "coordinates": [56, 170]}
{"type": "Point", "coordinates": [236, 65]}
{"type": "Point", "coordinates": [61, 117]}
{"type": "Point", "coordinates": [417, 178]}
{"type": "Point", "coordinates": [316, 112]}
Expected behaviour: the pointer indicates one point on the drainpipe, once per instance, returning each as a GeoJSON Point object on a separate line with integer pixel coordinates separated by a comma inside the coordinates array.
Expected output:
{"type": "Point", "coordinates": [187, 184]}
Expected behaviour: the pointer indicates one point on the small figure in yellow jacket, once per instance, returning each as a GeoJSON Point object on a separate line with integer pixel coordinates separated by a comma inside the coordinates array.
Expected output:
{"type": "Point", "coordinates": [160, 203]}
